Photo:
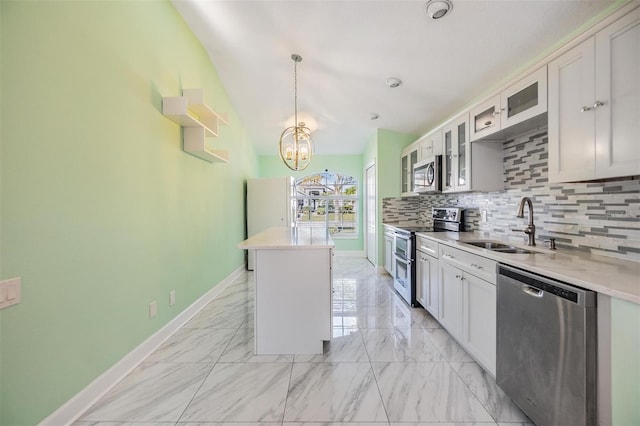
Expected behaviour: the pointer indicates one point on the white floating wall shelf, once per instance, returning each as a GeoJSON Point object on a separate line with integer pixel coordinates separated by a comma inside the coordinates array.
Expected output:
{"type": "Point", "coordinates": [198, 120]}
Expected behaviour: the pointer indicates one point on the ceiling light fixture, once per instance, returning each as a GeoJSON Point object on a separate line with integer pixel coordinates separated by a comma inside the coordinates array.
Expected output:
{"type": "Point", "coordinates": [296, 145]}
{"type": "Point", "coordinates": [436, 9]}
{"type": "Point", "coordinates": [393, 82]}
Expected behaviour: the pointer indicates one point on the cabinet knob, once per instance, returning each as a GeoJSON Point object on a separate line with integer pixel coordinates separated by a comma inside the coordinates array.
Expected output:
{"type": "Point", "coordinates": [598, 104]}
{"type": "Point", "coordinates": [585, 109]}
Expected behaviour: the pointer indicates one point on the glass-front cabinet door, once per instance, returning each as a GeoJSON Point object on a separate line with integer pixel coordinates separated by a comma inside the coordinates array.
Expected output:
{"type": "Point", "coordinates": [521, 101]}
{"type": "Point", "coordinates": [410, 156]}
{"type": "Point", "coordinates": [413, 159]}
{"type": "Point", "coordinates": [524, 99]}
{"type": "Point", "coordinates": [404, 167]}
{"type": "Point", "coordinates": [456, 168]}
{"type": "Point", "coordinates": [485, 118]}
{"type": "Point", "coordinates": [464, 156]}
{"type": "Point", "coordinates": [447, 161]}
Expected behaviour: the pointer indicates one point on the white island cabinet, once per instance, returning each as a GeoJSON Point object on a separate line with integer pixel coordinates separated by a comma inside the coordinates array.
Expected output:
{"type": "Point", "coordinates": [293, 290]}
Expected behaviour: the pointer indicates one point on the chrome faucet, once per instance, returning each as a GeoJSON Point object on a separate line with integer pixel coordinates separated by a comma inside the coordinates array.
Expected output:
{"type": "Point", "coordinates": [530, 230]}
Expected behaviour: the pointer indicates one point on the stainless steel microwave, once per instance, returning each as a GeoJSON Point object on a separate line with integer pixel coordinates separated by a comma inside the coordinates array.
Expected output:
{"type": "Point", "coordinates": [427, 175]}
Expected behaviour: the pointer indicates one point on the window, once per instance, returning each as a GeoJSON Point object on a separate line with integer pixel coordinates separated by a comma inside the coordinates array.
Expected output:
{"type": "Point", "coordinates": [328, 200]}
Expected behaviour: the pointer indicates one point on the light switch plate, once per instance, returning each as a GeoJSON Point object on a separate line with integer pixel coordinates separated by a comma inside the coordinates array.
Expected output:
{"type": "Point", "coordinates": [153, 309]}
{"type": "Point", "coordinates": [9, 292]}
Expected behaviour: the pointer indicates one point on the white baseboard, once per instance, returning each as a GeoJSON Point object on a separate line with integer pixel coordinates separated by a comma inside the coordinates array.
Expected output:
{"type": "Point", "coordinates": [382, 271]}
{"type": "Point", "coordinates": [83, 400]}
{"type": "Point", "coordinates": [349, 253]}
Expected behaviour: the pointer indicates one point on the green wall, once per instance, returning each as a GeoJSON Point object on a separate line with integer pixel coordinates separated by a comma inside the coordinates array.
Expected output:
{"type": "Point", "coordinates": [101, 210]}
{"type": "Point", "coordinates": [272, 166]}
{"type": "Point", "coordinates": [625, 362]}
{"type": "Point", "coordinates": [384, 150]}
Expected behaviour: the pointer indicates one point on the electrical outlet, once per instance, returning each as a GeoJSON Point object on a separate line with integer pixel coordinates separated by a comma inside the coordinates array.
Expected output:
{"type": "Point", "coordinates": [153, 309]}
{"type": "Point", "coordinates": [172, 297]}
{"type": "Point", "coordinates": [9, 292]}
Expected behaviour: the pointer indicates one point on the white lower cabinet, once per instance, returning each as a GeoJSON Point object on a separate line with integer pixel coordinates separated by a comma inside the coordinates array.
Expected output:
{"type": "Point", "coordinates": [291, 318]}
{"type": "Point", "coordinates": [427, 276]}
{"type": "Point", "coordinates": [479, 329]}
{"type": "Point", "coordinates": [388, 253]}
{"type": "Point", "coordinates": [451, 299]}
{"type": "Point", "coordinates": [468, 303]}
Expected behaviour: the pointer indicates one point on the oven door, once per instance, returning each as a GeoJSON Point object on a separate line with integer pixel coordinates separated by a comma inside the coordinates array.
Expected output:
{"type": "Point", "coordinates": [403, 259]}
{"type": "Point", "coordinates": [402, 245]}
{"type": "Point", "coordinates": [402, 278]}
{"type": "Point", "coordinates": [427, 176]}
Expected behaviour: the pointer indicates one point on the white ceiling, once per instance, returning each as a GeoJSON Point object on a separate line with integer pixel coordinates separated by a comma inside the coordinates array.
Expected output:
{"type": "Point", "coordinates": [349, 49]}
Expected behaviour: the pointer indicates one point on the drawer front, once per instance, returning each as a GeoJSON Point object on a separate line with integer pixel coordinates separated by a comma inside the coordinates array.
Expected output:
{"type": "Point", "coordinates": [476, 265]}
{"type": "Point", "coordinates": [388, 229]}
{"type": "Point", "coordinates": [427, 246]}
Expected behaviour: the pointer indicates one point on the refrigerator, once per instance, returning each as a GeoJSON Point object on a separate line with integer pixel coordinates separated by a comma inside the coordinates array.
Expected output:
{"type": "Point", "coordinates": [270, 202]}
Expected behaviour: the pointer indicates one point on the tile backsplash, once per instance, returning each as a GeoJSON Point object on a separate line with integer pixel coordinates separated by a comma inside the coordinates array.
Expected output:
{"type": "Point", "coordinates": [598, 217]}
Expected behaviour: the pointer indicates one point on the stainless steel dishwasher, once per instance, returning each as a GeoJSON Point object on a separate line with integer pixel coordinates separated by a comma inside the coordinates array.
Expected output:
{"type": "Point", "coordinates": [546, 347]}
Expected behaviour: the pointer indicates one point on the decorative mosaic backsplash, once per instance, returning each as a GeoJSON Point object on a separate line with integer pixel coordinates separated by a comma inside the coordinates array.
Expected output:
{"type": "Point", "coordinates": [598, 217]}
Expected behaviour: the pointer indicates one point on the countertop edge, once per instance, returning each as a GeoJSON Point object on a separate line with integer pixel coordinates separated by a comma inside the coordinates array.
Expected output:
{"type": "Point", "coordinates": [567, 273]}
{"type": "Point", "coordinates": [281, 238]}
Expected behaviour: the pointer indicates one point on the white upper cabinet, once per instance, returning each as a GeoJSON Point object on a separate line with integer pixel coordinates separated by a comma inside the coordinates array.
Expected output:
{"type": "Point", "coordinates": [422, 149]}
{"type": "Point", "coordinates": [408, 159]}
{"type": "Point", "coordinates": [618, 81]}
{"type": "Point", "coordinates": [430, 145]}
{"type": "Point", "coordinates": [469, 166]}
{"type": "Point", "coordinates": [525, 99]}
{"type": "Point", "coordinates": [594, 106]}
{"type": "Point", "coordinates": [485, 118]}
{"type": "Point", "coordinates": [456, 161]}
{"type": "Point", "coordinates": [520, 102]}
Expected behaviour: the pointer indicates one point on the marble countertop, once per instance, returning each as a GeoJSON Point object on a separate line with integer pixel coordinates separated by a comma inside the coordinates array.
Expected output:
{"type": "Point", "coordinates": [614, 277]}
{"type": "Point", "coordinates": [285, 238]}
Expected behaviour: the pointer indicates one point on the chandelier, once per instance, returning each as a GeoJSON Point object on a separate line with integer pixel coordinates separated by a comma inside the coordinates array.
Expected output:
{"type": "Point", "coordinates": [296, 145]}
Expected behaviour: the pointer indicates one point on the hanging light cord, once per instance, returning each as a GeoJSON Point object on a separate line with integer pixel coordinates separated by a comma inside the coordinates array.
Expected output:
{"type": "Point", "coordinates": [295, 92]}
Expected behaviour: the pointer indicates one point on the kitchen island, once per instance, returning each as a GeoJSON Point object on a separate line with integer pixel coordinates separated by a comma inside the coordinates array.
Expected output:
{"type": "Point", "coordinates": [293, 289]}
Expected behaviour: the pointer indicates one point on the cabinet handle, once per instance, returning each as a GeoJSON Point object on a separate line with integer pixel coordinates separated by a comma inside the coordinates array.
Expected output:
{"type": "Point", "coordinates": [473, 265]}
{"type": "Point", "coordinates": [458, 276]}
{"type": "Point", "coordinates": [498, 112]}
{"type": "Point", "coordinates": [598, 104]}
{"type": "Point", "coordinates": [585, 109]}
{"type": "Point", "coordinates": [447, 256]}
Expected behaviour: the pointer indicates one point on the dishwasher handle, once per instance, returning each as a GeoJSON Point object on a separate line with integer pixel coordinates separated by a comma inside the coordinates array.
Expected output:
{"type": "Point", "coordinates": [532, 291]}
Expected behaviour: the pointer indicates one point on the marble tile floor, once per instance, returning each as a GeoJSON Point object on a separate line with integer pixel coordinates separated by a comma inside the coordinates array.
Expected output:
{"type": "Point", "coordinates": [387, 364]}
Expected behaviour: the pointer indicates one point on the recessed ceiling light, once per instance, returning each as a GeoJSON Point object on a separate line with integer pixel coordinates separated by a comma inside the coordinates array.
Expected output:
{"type": "Point", "coordinates": [393, 82]}
{"type": "Point", "coordinates": [436, 9]}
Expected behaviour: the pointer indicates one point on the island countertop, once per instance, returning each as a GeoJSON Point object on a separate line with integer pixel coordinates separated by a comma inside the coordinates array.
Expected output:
{"type": "Point", "coordinates": [279, 238]}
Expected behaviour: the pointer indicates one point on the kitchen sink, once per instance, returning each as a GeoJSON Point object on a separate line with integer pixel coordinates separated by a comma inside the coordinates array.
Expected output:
{"type": "Point", "coordinates": [489, 245]}
{"type": "Point", "coordinates": [514, 250]}
{"type": "Point", "coordinates": [498, 247]}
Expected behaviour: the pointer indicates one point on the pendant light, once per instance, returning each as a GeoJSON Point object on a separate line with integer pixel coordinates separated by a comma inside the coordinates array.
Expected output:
{"type": "Point", "coordinates": [296, 145]}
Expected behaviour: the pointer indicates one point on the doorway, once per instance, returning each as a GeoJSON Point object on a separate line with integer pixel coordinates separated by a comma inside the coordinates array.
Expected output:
{"type": "Point", "coordinates": [371, 214]}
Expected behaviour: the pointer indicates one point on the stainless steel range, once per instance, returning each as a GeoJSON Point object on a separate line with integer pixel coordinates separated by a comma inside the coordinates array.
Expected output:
{"type": "Point", "coordinates": [404, 248]}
